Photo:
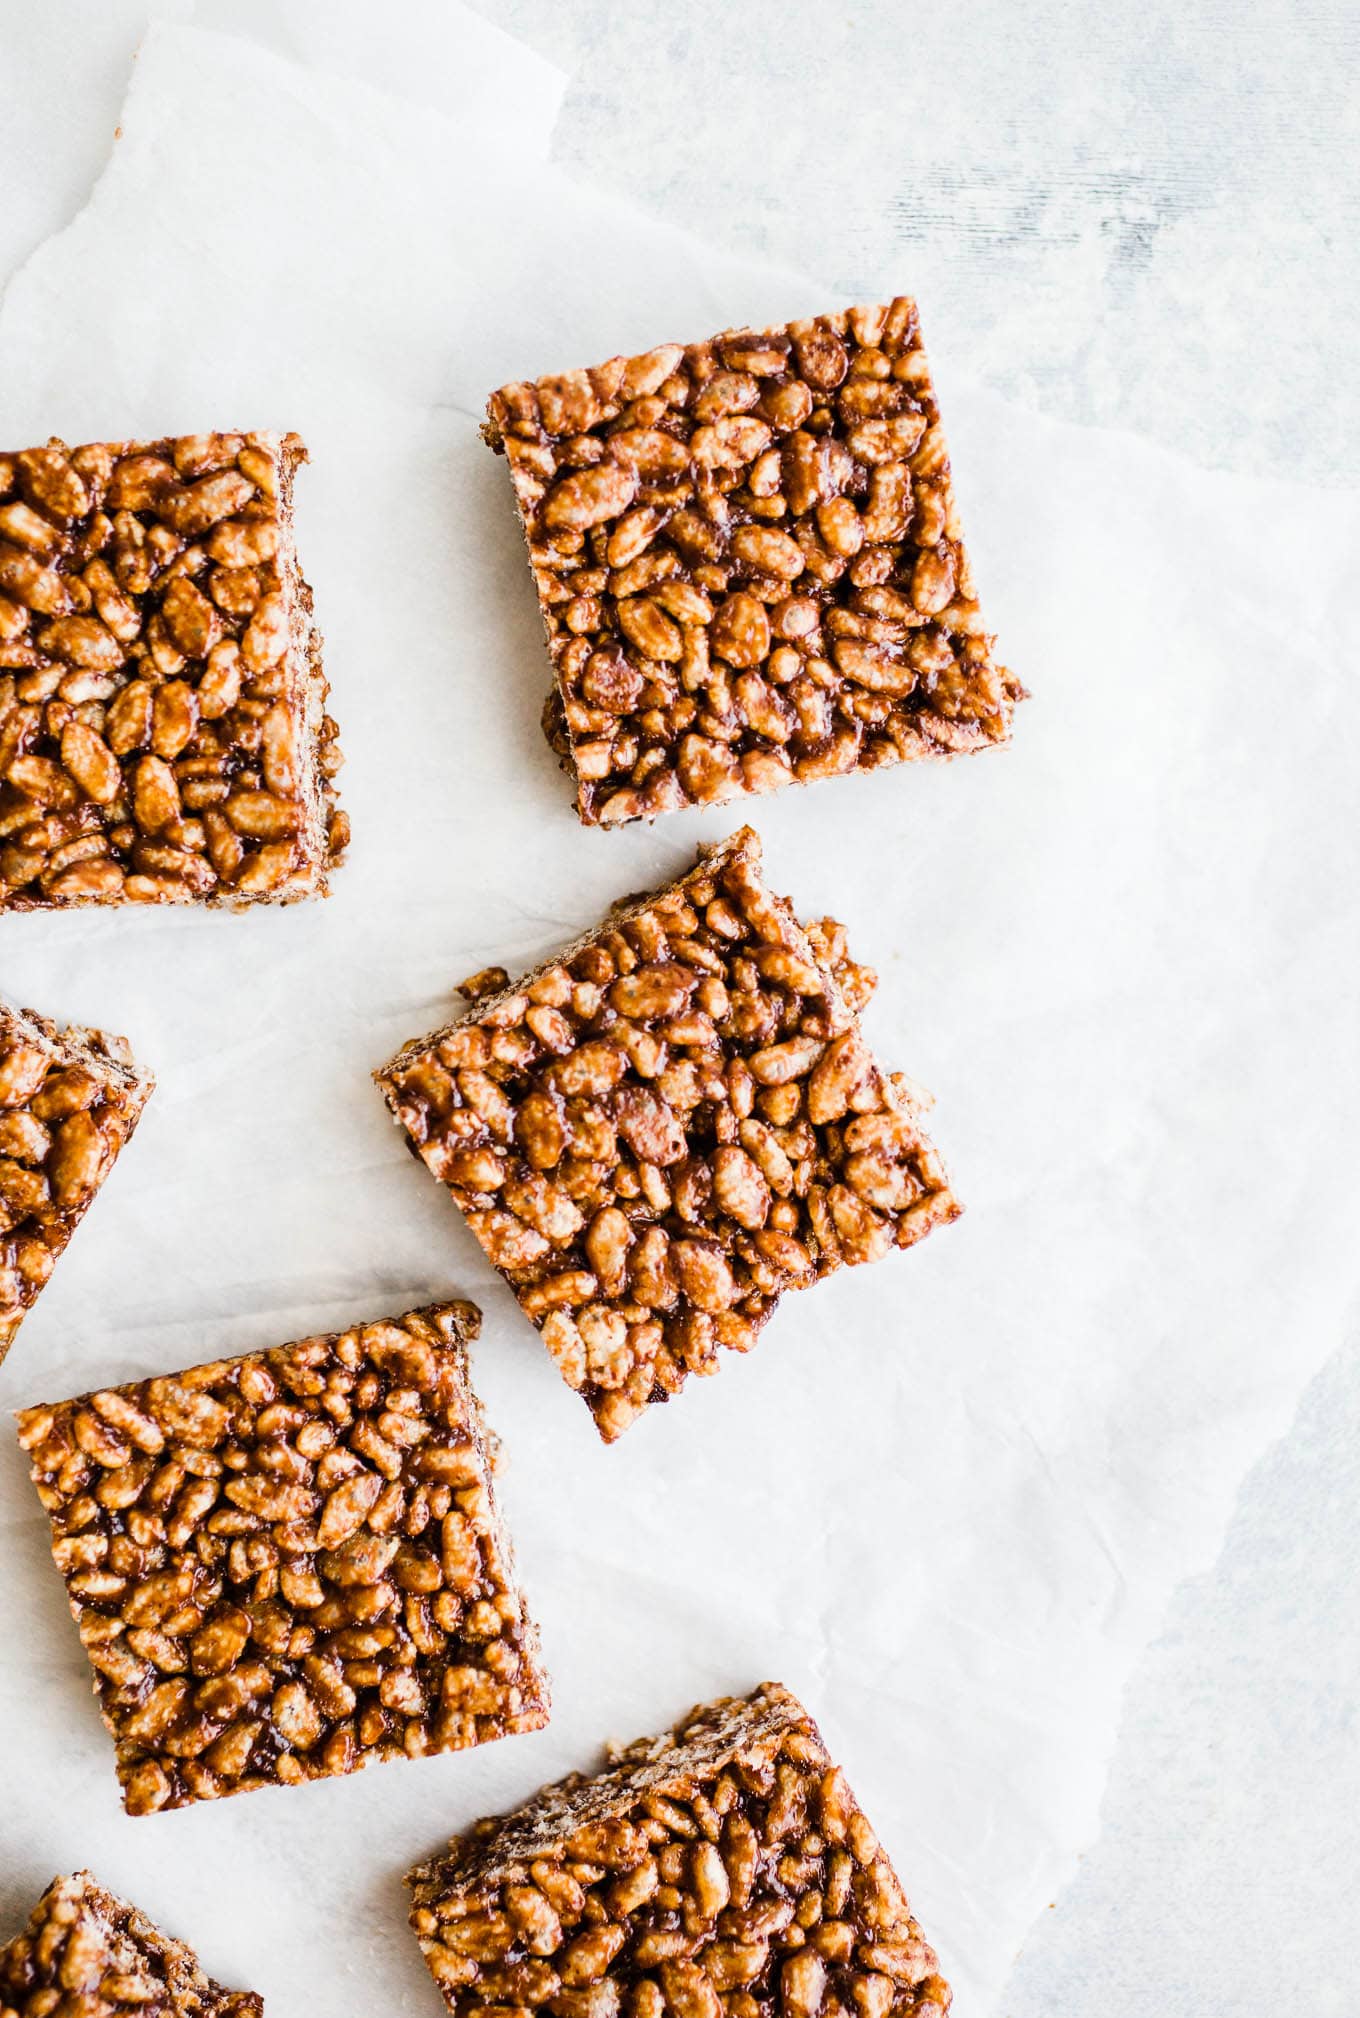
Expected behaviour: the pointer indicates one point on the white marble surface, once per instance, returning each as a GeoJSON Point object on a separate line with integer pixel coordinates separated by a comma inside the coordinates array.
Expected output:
{"type": "Point", "coordinates": [1146, 219]}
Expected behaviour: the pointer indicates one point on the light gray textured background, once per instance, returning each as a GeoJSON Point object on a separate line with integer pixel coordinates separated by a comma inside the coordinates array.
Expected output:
{"type": "Point", "coordinates": [1139, 214]}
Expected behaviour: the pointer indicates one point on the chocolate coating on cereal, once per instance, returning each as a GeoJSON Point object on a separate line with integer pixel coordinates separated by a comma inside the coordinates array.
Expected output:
{"type": "Point", "coordinates": [720, 1870]}
{"type": "Point", "coordinates": [658, 1133]}
{"type": "Point", "coordinates": [163, 734]}
{"type": "Point", "coordinates": [69, 1100]}
{"type": "Point", "coordinates": [750, 564]}
{"type": "Point", "coordinates": [87, 1954]}
{"type": "Point", "coordinates": [286, 1565]}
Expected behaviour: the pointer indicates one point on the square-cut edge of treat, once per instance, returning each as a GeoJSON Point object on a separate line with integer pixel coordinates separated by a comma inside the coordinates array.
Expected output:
{"type": "Point", "coordinates": [722, 1867]}
{"type": "Point", "coordinates": [656, 1133]}
{"type": "Point", "coordinates": [69, 1100]}
{"type": "Point", "coordinates": [286, 1565]}
{"type": "Point", "coordinates": [163, 727]}
{"type": "Point", "coordinates": [82, 1943]}
{"type": "Point", "coordinates": [750, 564]}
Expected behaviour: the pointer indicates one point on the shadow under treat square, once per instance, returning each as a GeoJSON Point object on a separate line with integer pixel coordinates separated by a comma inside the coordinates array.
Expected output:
{"type": "Point", "coordinates": [749, 564]}
{"type": "Point", "coordinates": [163, 726]}
{"type": "Point", "coordinates": [286, 1565]}
{"type": "Point", "coordinates": [720, 1870]}
{"type": "Point", "coordinates": [656, 1134]}
{"type": "Point", "coordinates": [86, 1954]}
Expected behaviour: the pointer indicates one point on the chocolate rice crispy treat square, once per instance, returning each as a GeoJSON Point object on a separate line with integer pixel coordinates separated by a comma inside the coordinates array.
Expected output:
{"type": "Point", "coordinates": [86, 1954]}
{"type": "Point", "coordinates": [720, 1870]}
{"type": "Point", "coordinates": [287, 1565]}
{"type": "Point", "coordinates": [163, 728]}
{"type": "Point", "coordinates": [656, 1134]}
{"type": "Point", "coordinates": [749, 564]}
{"type": "Point", "coordinates": [69, 1100]}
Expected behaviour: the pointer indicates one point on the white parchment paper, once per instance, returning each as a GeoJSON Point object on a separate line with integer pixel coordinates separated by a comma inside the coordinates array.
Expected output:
{"type": "Point", "coordinates": [946, 1497]}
